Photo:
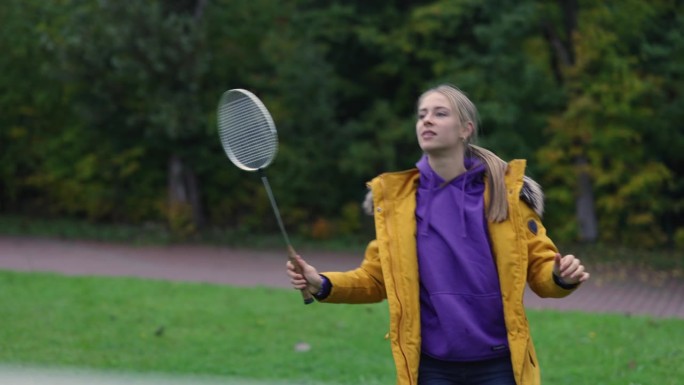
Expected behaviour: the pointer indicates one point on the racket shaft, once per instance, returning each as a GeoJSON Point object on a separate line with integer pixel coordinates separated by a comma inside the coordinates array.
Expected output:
{"type": "Point", "coordinates": [271, 198]}
{"type": "Point", "coordinates": [308, 298]}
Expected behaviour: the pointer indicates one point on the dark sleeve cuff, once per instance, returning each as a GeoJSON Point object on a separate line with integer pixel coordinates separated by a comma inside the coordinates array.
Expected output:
{"type": "Point", "coordinates": [564, 285]}
{"type": "Point", "coordinates": [326, 286]}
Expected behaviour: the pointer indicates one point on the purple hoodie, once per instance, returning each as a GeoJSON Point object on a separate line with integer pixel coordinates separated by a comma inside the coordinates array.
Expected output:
{"type": "Point", "coordinates": [460, 298]}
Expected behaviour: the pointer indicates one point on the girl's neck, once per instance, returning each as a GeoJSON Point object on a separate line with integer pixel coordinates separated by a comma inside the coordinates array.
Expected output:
{"type": "Point", "coordinates": [447, 165]}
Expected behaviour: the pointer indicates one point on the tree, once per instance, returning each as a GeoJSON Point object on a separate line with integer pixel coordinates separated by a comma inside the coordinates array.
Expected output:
{"type": "Point", "coordinates": [599, 136]}
{"type": "Point", "coordinates": [661, 52]}
{"type": "Point", "coordinates": [111, 114]}
{"type": "Point", "coordinates": [563, 58]}
{"type": "Point", "coordinates": [33, 108]}
{"type": "Point", "coordinates": [137, 70]}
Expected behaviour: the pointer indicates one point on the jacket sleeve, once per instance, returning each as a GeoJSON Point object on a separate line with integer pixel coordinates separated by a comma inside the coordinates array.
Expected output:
{"type": "Point", "coordinates": [364, 284]}
{"type": "Point", "coordinates": [541, 253]}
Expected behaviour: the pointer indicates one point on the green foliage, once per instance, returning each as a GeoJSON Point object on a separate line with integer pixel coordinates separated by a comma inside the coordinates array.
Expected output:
{"type": "Point", "coordinates": [33, 108]}
{"type": "Point", "coordinates": [79, 229]}
{"type": "Point", "coordinates": [606, 119]}
{"type": "Point", "coordinates": [137, 69]}
{"type": "Point", "coordinates": [679, 238]}
{"type": "Point", "coordinates": [103, 94]}
{"type": "Point", "coordinates": [661, 47]}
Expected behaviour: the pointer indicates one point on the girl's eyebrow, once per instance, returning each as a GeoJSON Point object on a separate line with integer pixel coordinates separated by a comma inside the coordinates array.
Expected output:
{"type": "Point", "coordinates": [435, 108]}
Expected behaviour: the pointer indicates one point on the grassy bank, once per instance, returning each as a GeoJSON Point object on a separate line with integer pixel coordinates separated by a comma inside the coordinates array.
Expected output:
{"type": "Point", "coordinates": [139, 325]}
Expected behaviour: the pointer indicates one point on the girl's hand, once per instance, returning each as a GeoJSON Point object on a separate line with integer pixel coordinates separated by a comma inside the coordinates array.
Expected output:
{"type": "Point", "coordinates": [569, 269]}
{"type": "Point", "coordinates": [304, 276]}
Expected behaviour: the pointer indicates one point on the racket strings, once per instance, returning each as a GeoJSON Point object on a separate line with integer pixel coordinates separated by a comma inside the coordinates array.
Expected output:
{"type": "Point", "coordinates": [246, 134]}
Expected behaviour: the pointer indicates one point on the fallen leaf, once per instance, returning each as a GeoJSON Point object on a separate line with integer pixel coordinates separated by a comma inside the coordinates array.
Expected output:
{"type": "Point", "coordinates": [302, 347]}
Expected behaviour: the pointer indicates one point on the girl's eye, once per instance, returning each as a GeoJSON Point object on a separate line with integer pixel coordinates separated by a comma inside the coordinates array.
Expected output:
{"type": "Point", "coordinates": [441, 113]}
{"type": "Point", "coordinates": [421, 116]}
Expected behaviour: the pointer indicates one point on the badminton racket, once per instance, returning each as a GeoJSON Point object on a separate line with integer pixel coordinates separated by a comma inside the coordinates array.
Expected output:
{"type": "Point", "coordinates": [249, 138]}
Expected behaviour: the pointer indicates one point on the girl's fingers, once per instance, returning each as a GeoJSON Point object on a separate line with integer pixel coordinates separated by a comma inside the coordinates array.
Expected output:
{"type": "Point", "coordinates": [569, 264]}
{"type": "Point", "coordinates": [570, 268]}
{"type": "Point", "coordinates": [577, 272]}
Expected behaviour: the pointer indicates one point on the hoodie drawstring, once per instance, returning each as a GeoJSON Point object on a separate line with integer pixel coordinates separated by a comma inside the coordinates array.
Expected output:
{"type": "Point", "coordinates": [463, 216]}
{"type": "Point", "coordinates": [428, 210]}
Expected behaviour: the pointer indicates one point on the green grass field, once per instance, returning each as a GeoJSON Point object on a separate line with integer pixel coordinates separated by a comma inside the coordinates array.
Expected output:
{"type": "Point", "coordinates": [263, 334]}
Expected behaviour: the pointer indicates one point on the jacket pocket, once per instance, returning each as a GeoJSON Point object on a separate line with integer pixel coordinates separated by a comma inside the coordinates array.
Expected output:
{"type": "Point", "coordinates": [531, 353]}
{"type": "Point", "coordinates": [530, 372]}
{"type": "Point", "coordinates": [531, 358]}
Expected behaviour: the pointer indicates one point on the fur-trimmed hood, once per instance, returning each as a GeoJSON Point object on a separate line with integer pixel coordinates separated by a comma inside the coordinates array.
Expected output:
{"type": "Point", "coordinates": [531, 193]}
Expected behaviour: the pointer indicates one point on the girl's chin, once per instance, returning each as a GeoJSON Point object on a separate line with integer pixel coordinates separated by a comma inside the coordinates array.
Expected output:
{"type": "Point", "coordinates": [430, 147]}
{"type": "Point", "coordinates": [439, 151]}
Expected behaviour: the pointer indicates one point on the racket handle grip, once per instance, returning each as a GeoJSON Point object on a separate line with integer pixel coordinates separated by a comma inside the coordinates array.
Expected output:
{"type": "Point", "coordinates": [306, 296]}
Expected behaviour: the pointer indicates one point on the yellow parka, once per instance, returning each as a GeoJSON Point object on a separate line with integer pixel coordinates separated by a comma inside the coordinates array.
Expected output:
{"type": "Point", "coordinates": [522, 250]}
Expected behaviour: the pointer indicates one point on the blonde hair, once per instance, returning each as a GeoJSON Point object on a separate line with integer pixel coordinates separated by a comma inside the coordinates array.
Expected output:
{"type": "Point", "coordinates": [496, 167]}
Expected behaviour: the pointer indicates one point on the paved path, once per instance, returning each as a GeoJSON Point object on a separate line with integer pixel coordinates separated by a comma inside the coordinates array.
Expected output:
{"type": "Point", "coordinates": [625, 294]}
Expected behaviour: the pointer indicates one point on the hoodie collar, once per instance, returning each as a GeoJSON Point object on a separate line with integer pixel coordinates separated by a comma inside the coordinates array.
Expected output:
{"type": "Point", "coordinates": [470, 182]}
{"type": "Point", "coordinates": [429, 179]}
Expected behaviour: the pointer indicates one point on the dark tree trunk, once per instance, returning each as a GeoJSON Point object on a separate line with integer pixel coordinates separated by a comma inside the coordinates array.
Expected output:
{"type": "Point", "coordinates": [184, 190]}
{"type": "Point", "coordinates": [563, 56]}
{"type": "Point", "coordinates": [584, 204]}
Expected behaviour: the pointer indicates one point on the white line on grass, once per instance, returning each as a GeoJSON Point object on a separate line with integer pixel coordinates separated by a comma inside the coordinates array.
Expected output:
{"type": "Point", "coordinates": [25, 375]}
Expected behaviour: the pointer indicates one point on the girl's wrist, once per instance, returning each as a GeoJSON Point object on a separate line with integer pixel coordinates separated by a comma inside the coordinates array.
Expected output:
{"type": "Point", "coordinates": [562, 283]}
{"type": "Point", "coordinates": [324, 289]}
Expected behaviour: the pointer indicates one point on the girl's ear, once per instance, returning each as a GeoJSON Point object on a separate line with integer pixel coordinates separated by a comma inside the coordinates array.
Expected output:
{"type": "Point", "coordinates": [468, 129]}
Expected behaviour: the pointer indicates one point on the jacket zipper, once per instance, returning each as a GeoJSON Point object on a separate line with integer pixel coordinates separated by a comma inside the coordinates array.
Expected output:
{"type": "Point", "coordinates": [396, 291]}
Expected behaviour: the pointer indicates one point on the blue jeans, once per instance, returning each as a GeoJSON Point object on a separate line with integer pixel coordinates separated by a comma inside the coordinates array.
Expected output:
{"type": "Point", "coordinates": [497, 371]}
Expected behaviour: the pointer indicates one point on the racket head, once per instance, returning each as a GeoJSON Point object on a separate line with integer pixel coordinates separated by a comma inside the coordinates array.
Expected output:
{"type": "Point", "coordinates": [246, 129]}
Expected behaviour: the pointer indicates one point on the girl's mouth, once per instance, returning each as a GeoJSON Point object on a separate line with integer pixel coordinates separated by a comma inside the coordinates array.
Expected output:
{"type": "Point", "coordinates": [427, 134]}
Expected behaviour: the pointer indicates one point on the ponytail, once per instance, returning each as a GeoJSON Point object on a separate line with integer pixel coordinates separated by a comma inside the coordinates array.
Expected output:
{"type": "Point", "coordinates": [496, 168]}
